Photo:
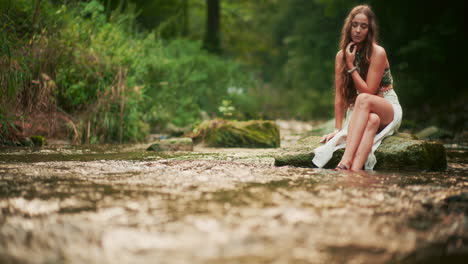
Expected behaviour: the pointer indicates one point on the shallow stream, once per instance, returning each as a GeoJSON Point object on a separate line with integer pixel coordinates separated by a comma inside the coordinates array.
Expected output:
{"type": "Point", "coordinates": [122, 204]}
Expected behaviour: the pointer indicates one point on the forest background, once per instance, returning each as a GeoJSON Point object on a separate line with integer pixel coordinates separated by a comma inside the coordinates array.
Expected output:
{"type": "Point", "coordinates": [115, 71]}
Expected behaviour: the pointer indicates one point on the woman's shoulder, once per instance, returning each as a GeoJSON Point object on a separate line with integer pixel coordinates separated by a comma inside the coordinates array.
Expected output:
{"type": "Point", "coordinates": [378, 51]}
{"type": "Point", "coordinates": [339, 55]}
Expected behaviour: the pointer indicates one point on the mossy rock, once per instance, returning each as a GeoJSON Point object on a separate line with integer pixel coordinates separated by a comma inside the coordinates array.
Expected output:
{"type": "Point", "coordinates": [27, 142]}
{"type": "Point", "coordinates": [38, 141]}
{"type": "Point", "coordinates": [172, 144]}
{"type": "Point", "coordinates": [237, 134]}
{"type": "Point", "coordinates": [402, 152]}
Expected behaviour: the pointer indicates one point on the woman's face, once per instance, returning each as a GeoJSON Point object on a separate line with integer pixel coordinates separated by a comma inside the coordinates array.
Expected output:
{"type": "Point", "coordinates": [359, 28]}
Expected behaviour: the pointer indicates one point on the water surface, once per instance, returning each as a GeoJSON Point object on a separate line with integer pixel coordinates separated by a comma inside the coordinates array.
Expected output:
{"type": "Point", "coordinates": [122, 204]}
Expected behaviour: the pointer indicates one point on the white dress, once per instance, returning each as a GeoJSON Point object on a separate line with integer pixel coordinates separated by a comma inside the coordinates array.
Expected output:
{"type": "Point", "coordinates": [325, 152]}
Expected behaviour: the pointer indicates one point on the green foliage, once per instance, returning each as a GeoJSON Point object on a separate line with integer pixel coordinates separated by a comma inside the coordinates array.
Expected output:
{"type": "Point", "coordinates": [165, 82]}
{"type": "Point", "coordinates": [226, 109]}
{"type": "Point", "coordinates": [189, 81]}
{"type": "Point", "coordinates": [293, 67]}
{"type": "Point", "coordinates": [6, 125]}
{"type": "Point", "coordinates": [117, 80]}
{"type": "Point", "coordinates": [22, 52]}
{"type": "Point", "coordinates": [169, 17]}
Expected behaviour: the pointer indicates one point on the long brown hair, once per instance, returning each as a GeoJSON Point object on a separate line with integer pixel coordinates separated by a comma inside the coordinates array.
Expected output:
{"type": "Point", "coordinates": [348, 90]}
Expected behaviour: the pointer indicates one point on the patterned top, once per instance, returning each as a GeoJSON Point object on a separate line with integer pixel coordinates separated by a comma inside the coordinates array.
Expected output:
{"type": "Point", "coordinates": [387, 78]}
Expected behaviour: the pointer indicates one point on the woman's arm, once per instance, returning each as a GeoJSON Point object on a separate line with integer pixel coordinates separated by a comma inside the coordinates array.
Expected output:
{"type": "Point", "coordinates": [339, 104]}
{"type": "Point", "coordinates": [378, 62]}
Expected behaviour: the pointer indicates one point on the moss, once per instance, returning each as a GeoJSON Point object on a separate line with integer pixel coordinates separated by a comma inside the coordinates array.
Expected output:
{"type": "Point", "coordinates": [38, 141]}
{"type": "Point", "coordinates": [249, 134]}
{"type": "Point", "coordinates": [401, 151]}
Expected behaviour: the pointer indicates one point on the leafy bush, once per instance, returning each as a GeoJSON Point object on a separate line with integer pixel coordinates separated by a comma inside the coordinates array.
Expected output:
{"type": "Point", "coordinates": [189, 81]}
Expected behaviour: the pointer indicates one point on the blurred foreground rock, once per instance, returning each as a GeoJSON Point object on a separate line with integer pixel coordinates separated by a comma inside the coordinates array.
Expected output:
{"type": "Point", "coordinates": [401, 151]}
{"type": "Point", "coordinates": [237, 134]}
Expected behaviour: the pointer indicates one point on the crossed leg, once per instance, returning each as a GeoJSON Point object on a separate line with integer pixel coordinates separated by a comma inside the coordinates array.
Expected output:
{"type": "Point", "coordinates": [370, 112]}
{"type": "Point", "coordinates": [367, 141]}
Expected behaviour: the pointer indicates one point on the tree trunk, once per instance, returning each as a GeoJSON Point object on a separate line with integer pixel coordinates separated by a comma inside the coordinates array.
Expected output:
{"type": "Point", "coordinates": [185, 18]}
{"type": "Point", "coordinates": [212, 41]}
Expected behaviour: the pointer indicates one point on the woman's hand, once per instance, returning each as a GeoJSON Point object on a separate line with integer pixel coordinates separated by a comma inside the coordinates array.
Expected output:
{"type": "Point", "coordinates": [350, 55]}
{"type": "Point", "coordinates": [327, 137]}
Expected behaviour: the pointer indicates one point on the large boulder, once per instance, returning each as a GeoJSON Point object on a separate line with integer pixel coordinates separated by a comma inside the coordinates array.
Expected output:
{"type": "Point", "coordinates": [402, 151]}
{"type": "Point", "coordinates": [237, 134]}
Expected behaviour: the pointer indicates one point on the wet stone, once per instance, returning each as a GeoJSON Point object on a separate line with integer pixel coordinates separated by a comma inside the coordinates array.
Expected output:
{"type": "Point", "coordinates": [172, 144]}
{"type": "Point", "coordinates": [399, 152]}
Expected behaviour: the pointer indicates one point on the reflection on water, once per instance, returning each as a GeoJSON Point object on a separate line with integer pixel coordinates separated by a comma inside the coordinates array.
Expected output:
{"type": "Point", "coordinates": [120, 204]}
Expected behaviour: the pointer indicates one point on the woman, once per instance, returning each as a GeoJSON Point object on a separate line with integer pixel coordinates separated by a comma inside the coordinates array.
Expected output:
{"type": "Point", "coordinates": [364, 86]}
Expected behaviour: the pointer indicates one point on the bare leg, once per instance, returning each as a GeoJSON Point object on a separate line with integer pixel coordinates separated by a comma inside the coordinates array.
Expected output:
{"type": "Point", "coordinates": [367, 141]}
{"type": "Point", "coordinates": [365, 104]}
{"type": "Point", "coordinates": [354, 136]}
